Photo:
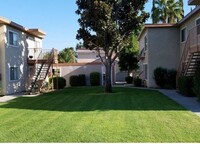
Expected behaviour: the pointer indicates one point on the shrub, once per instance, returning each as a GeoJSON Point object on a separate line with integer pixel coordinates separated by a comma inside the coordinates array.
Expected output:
{"type": "Point", "coordinates": [129, 80]}
{"type": "Point", "coordinates": [185, 85]}
{"type": "Point", "coordinates": [137, 82]}
{"type": "Point", "coordinates": [58, 82]}
{"type": "Point", "coordinates": [82, 80]}
{"type": "Point", "coordinates": [160, 75]}
{"type": "Point", "coordinates": [74, 81]}
{"type": "Point", "coordinates": [95, 78]}
{"type": "Point", "coordinates": [171, 79]}
{"type": "Point", "coordinates": [196, 81]}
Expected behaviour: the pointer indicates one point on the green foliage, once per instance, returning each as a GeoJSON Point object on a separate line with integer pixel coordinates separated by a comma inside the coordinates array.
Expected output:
{"type": "Point", "coordinates": [197, 82]}
{"type": "Point", "coordinates": [128, 56]}
{"type": "Point", "coordinates": [160, 76]}
{"type": "Point", "coordinates": [74, 81]}
{"type": "Point", "coordinates": [165, 78]}
{"type": "Point", "coordinates": [58, 82]}
{"type": "Point", "coordinates": [171, 79]}
{"type": "Point", "coordinates": [67, 55]}
{"type": "Point", "coordinates": [129, 79]}
{"type": "Point", "coordinates": [137, 82]}
{"type": "Point", "coordinates": [167, 11]}
{"type": "Point", "coordinates": [108, 24]}
{"type": "Point", "coordinates": [95, 79]}
{"type": "Point", "coordinates": [82, 80]}
{"type": "Point", "coordinates": [185, 85]}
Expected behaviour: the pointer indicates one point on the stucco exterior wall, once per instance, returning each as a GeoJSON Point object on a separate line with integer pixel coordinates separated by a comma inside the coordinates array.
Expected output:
{"type": "Point", "coordinates": [70, 69]}
{"type": "Point", "coordinates": [163, 50]}
{"type": "Point", "coordinates": [188, 24]}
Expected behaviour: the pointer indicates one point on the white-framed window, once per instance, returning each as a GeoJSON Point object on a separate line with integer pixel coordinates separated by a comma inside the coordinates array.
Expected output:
{"type": "Point", "coordinates": [183, 34]}
{"type": "Point", "coordinates": [145, 43]}
{"type": "Point", "coordinates": [145, 68]}
{"type": "Point", "coordinates": [13, 38]}
{"type": "Point", "coordinates": [14, 73]}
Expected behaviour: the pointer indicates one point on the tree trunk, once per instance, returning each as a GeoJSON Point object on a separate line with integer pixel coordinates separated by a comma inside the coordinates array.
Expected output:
{"type": "Point", "coordinates": [108, 88]}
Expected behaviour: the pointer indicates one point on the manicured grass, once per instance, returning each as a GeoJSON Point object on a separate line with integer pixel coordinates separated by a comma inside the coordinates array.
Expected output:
{"type": "Point", "coordinates": [88, 115]}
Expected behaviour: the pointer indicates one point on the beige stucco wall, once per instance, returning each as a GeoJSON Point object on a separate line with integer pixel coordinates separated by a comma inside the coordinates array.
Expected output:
{"type": "Point", "coordinates": [163, 50]}
{"type": "Point", "coordinates": [68, 70]}
{"type": "Point", "coordinates": [188, 24]}
{"type": "Point", "coordinates": [16, 56]}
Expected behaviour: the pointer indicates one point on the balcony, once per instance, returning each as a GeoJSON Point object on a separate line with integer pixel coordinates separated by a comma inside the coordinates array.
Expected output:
{"type": "Point", "coordinates": [193, 2]}
{"type": "Point", "coordinates": [37, 54]}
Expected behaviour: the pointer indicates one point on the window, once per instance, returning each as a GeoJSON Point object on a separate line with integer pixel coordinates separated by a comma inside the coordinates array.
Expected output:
{"type": "Point", "coordinates": [56, 72]}
{"type": "Point", "coordinates": [198, 25]}
{"type": "Point", "coordinates": [13, 38]}
{"type": "Point", "coordinates": [14, 73]}
{"type": "Point", "coordinates": [145, 43]}
{"type": "Point", "coordinates": [145, 71]}
{"type": "Point", "coordinates": [183, 35]}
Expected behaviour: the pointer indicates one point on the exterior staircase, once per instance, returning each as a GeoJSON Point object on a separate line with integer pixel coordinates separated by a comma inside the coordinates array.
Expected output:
{"type": "Point", "coordinates": [42, 66]}
{"type": "Point", "coordinates": [191, 54]}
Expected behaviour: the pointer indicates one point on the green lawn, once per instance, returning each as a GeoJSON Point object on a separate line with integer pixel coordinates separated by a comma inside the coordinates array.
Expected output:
{"type": "Point", "coordinates": [88, 115]}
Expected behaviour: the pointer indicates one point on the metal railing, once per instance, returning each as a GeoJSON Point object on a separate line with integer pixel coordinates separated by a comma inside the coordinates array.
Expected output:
{"type": "Point", "coordinates": [192, 45]}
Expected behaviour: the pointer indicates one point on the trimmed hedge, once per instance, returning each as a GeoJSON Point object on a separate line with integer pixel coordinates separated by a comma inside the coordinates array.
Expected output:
{"type": "Point", "coordinates": [58, 82]}
{"type": "Point", "coordinates": [196, 80]}
{"type": "Point", "coordinates": [185, 85]}
{"type": "Point", "coordinates": [160, 76]}
{"type": "Point", "coordinates": [82, 80]}
{"type": "Point", "coordinates": [95, 78]}
{"type": "Point", "coordinates": [74, 81]}
{"type": "Point", "coordinates": [129, 80]}
{"type": "Point", "coordinates": [171, 79]}
{"type": "Point", "coordinates": [137, 82]}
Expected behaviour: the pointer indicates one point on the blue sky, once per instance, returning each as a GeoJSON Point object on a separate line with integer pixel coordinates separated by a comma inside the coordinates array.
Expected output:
{"type": "Point", "coordinates": [56, 17]}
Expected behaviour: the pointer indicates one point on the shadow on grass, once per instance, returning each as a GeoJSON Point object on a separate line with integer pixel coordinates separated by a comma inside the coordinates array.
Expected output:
{"type": "Point", "coordinates": [93, 98]}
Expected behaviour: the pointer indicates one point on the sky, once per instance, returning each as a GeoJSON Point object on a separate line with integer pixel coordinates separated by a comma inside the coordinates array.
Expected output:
{"type": "Point", "coordinates": [56, 18]}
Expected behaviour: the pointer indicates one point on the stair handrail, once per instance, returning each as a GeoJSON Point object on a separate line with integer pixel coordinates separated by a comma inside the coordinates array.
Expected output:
{"type": "Point", "coordinates": [50, 61]}
{"type": "Point", "coordinates": [184, 54]}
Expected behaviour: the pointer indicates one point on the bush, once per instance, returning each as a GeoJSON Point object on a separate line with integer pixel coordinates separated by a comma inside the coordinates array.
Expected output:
{"type": "Point", "coordinates": [196, 81]}
{"type": "Point", "coordinates": [58, 82]}
{"type": "Point", "coordinates": [137, 82]}
{"type": "Point", "coordinates": [171, 79]}
{"type": "Point", "coordinates": [129, 80]}
{"type": "Point", "coordinates": [74, 81]}
{"type": "Point", "coordinates": [95, 78]}
{"type": "Point", "coordinates": [82, 80]}
{"type": "Point", "coordinates": [160, 75]}
{"type": "Point", "coordinates": [185, 85]}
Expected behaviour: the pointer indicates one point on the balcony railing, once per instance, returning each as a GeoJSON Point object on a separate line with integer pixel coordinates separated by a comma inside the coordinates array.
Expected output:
{"type": "Point", "coordinates": [38, 53]}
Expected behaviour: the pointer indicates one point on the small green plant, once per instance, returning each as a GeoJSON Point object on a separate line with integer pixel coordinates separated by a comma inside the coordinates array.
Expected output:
{"type": "Point", "coordinates": [74, 81]}
{"type": "Point", "coordinates": [58, 82]}
{"type": "Point", "coordinates": [95, 78]}
{"type": "Point", "coordinates": [185, 85]}
{"type": "Point", "coordinates": [137, 82]}
{"type": "Point", "coordinates": [196, 80]}
{"type": "Point", "coordinates": [171, 79]}
{"type": "Point", "coordinates": [129, 80]}
{"type": "Point", "coordinates": [82, 80]}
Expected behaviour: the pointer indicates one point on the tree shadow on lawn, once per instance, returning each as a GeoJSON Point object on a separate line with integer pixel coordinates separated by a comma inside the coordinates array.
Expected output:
{"type": "Point", "coordinates": [92, 99]}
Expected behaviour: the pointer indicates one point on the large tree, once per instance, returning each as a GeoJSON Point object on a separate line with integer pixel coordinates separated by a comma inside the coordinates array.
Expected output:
{"type": "Point", "coordinates": [167, 11]}
{"type": "Point", "coordinates": [106, 25]}
{"type": "Point", "coordinates": [128, 56]}
{"type": "Point", "coordinates": [67, 55]}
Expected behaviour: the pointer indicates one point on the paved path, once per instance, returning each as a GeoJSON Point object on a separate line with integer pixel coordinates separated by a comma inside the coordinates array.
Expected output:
{"type": "Point", "coordinates": [11, 97]}
{"type": "Point", "coordinates": [189, 103]}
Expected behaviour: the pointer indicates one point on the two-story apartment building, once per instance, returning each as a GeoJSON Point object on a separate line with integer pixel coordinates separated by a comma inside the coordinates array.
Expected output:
{"type": "Point", "coordinates": [17, 46]}
{"type": "Point", "coordinates": [170, 46]}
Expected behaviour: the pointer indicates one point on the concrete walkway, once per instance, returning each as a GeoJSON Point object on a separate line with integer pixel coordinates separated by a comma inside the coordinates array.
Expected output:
{"type": "Point", "coordinates": [189, 103]}
{"type": "Point", "coordinates": [11, 97]}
